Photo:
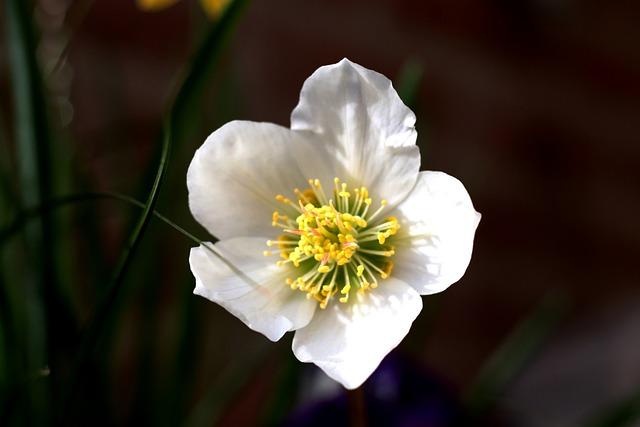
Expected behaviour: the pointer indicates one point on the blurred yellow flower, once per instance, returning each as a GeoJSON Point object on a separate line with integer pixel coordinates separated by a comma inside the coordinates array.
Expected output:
{"type": "Point", "coordinates": [213, 8]}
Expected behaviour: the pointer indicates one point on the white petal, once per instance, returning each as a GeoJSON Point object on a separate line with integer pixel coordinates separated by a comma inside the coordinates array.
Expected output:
{"type": "Point", "coordinates": [255, 292]}
{"type": "Point", "coordinates": [235, 175]}
{"type": "Point", "coordinates": [436, 239]}
{"type": "Point", "coordinates": [360, 115]}
{"type": "Point", "coordinates": [348, 341]}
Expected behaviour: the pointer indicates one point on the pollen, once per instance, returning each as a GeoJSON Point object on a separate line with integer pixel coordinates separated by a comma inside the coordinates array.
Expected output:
{"type": "Point", "coordinates": [336, 244]}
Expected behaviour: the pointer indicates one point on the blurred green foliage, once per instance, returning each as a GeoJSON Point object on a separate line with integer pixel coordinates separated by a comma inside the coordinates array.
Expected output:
{"type": "Point", "coordinates": [45, 376]}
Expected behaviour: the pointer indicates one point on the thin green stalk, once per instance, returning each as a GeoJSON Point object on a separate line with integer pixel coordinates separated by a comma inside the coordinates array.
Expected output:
{"type": "Point", "coordinates": [58, 202]}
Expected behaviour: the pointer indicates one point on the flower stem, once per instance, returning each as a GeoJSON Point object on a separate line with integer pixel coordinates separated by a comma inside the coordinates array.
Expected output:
{"type": "Point", "coordinates": [357, 410]}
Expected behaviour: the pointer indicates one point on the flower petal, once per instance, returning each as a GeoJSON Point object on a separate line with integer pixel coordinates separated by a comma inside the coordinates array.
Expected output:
{"type": "Point", "coordinates": [359, 114]}
{"type": "Point", "coordinates": [235, 175]}
{"type": "Point", "coordinates": [253, 290]}
{"type": "Point", "coordinates": [438, 227]}
{"type": "Point", "coordinates": [348, 341]}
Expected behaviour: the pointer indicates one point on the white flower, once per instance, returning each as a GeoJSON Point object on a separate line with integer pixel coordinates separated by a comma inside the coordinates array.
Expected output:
{"type": "Point", "coordinates": [328, 228]}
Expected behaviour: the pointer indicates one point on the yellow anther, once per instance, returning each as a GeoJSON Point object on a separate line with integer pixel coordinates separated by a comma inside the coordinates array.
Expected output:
{"type": "Point", "coordinates": [267, 253]}
{"type": "Point", "coordinates": [381, 237]}
{"type": "Point", "coordinates": [324, 269]}
{"type": "Point", "coordinates": [388, 268]}
{"type": "Point", "coordinates": [359, 270]}
{"type": "Point", "coordinates": [344, 193]}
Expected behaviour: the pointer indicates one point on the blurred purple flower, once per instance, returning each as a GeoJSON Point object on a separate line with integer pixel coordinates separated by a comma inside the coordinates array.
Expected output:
{"type": "Point", "coordinates": [399, 393]}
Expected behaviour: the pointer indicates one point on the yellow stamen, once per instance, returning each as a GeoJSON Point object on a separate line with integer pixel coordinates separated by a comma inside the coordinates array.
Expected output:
{"type": "Point", "coordinates": [324, 235]}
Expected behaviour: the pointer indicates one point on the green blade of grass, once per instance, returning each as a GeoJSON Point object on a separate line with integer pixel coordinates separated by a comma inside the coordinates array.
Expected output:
{"type": "Point", "coordinates": [203, 62]}
{"type": "Point", "coordinates": [30, 122]}
{"type": "Point", "coordinates": [33, 151]}
{"type": "Point", "coordinates": [513, 354]}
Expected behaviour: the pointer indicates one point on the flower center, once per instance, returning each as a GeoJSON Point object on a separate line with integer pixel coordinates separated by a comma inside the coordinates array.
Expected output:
{"type": "Point", "coordinates": [335, 244]}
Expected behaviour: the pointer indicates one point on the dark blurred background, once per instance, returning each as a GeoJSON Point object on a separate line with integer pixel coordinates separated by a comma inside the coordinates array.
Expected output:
{"type": "Point", "coordinates": [534, 105]}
